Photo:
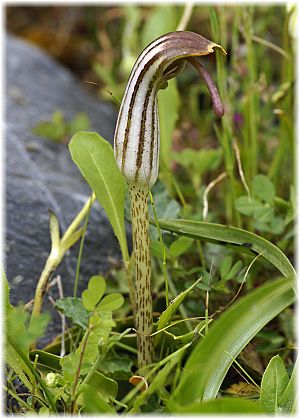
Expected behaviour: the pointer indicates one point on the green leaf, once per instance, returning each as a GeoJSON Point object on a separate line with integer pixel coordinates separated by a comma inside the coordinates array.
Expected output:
{"type": "Point", "coordinates": [263, 214]}
{"type": "Point", "coordinates": [117, 367]}
{"type": "Point", "coordinates": [273, 384]}
{"type": "Point", "coordinates": [96, 336]}
{"type": "Point", "coordinates": [221, 234]}
{"type": "Point", "coordinates": [23, 334]}
{"type": "Point", "coordinates": [225, 266]}
{"type": "Point", "coordinates": [73, 308]}
{"type": "Point", "coordinates": [235, 269]}
{"type": "Point", "coordinates": [212, 357]}
{"type": "Point", "coordinates": [157, 249]}
{"type": "Point", "coordinates": [159, 380]}
{"type": "Point", "coordinates": [263, 188]}
{"type": "Point", "coordinates": [111, 302]}
{"type": "Point", "coordinates": [106, 387]}
{"type": "Point", "coordinates": [23, 356]}
{"type": "Point", "coordinates": [5, 288]}
{"type": "Point", "coordinates": [165, 206]}
{"type": "Point", "coordinates": [288, 401]}
{"type": "Point", "coordinates": [93, 403]}
{"type": "Point", "coordinates": [168, 102]}
{"type": "Point", "coordinates": [168, 313]}
{"type": "Point", "coordinates": [19, 367]}
{"type": "Point", "coordinates": [219, 406]}
{"type": "Point", "coordinates": [101, 324]}
{"type": "Point", "coordinates": [247, 206]}
{"type": "Point", "coordinates": [46, 360]}
{"type": "Point", "coordinates": [53, 130]}
{"type": "Point", "coordinates": [94, 292]}
{"type": "Point", "coordinates": [95, 158]}
{"type": "Point", "coordinates": [69, 365]}
{"type": "Point", "coordinates": [18, 340]}
{"type": "Point", "coordinates": [180, 246]}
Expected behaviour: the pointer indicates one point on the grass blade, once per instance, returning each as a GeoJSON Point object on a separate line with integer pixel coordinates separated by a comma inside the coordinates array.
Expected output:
{"type": "Point", "coordinates": [223, 406]}
{"type": "Point", "coordinates": [222, 234]}
{"type": "Point", "coordinates": [209, 362]}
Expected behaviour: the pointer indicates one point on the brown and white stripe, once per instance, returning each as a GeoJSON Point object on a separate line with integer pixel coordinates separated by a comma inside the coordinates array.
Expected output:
{"type": "Point", "coordinates": [136, 141]}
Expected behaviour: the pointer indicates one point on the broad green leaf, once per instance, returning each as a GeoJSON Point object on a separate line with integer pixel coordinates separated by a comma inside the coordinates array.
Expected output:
{"type": "Point", "coordinates": [117, 367]}
{"type": "Point", "coordinates": [263, 188]}
{"type": "Point", "coordinates": [221, 234]}
{"type": "Point", "coordinates": [94, 292]}
{"type": "Point", "coordinates": [224, 405]}
{"type": "Point", "coordinates": [168, 102]}
{"type": "Point", "coordinates": [23, 334]}
{"type": "Point", "coordinates": [46, 360]}
{"type": "Point", "coordinates": [168, 313]}
{"type": "Point", "coordinates": [212, 357]}
{"type": "Point", "coordinates": [74, 309]}
{"type": "Point", "coordinates": [96, 336]}
{"type": "Point", "coordinates": [93, 403]}
{"type": "Point", "coordinates": [288, 401]}
{"type": "Point", "coordinates": [69, 365]}
{"type": "Point", "coordinates": [106, 387]}
{"type": "Point", "coordinates": [101, 324]}
{"type": "Point", "coordinates": [263, 214]}
{"type": "Point", "coordinates": [273, 384]}
{"type": "Point", "coordinates": [180, 246]}
{"type": "Point", "coordinates": [111, 302]}
{"type": "Point", "coordinates": [247, 206]}
{"type": "Point", "coordinates": [165, 206]}
{"type": "Point", "coordinates": [95, 158]}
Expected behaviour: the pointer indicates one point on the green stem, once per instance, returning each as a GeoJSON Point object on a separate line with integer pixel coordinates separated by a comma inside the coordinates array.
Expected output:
{"type": "Point", "coordinates": [252, 96]}
{"type": "Point", "coordinates": [142, 273]}
{"type": "Point", "coordinates": [78, 219]}
{"type": "Point", "coordinates": [163, 247]}
{"type": "Point", "coordinates": [219, 31]}
{"type": "Point", "coordinates": [50, 266]}
{"type": "Point", "coordinates": [81, 246]}
{"type": "Point", "coordinates": [59, 248]}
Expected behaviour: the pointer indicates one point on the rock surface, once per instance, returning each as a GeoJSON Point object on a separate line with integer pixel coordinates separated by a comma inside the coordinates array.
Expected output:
{"type": "Point", "coordinates": [40, 174]}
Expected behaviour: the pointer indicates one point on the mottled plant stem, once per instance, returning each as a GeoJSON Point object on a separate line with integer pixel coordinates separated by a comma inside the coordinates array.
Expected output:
{"type": "Point", "coordinates": [142, 273]}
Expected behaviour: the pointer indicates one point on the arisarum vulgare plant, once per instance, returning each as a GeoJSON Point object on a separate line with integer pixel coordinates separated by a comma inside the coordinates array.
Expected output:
{"type": "Point", "coordinates": [136, 147]}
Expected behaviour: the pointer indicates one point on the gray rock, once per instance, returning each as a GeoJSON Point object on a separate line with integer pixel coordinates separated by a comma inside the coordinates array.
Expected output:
{"type": "Point", "coordinates": [40, 174]}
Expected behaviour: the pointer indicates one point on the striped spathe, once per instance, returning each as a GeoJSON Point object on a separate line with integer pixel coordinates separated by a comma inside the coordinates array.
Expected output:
{"type": "Point", "coordinates": [136, 141]}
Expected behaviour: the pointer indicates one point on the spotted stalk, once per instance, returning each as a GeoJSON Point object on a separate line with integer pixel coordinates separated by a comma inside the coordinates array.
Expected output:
{"type": "Point", "coordinates": [136, 147]}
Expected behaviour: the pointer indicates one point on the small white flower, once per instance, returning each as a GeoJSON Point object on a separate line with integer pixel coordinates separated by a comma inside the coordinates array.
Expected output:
{"type": "Point", "coordinates": [51, 379]}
